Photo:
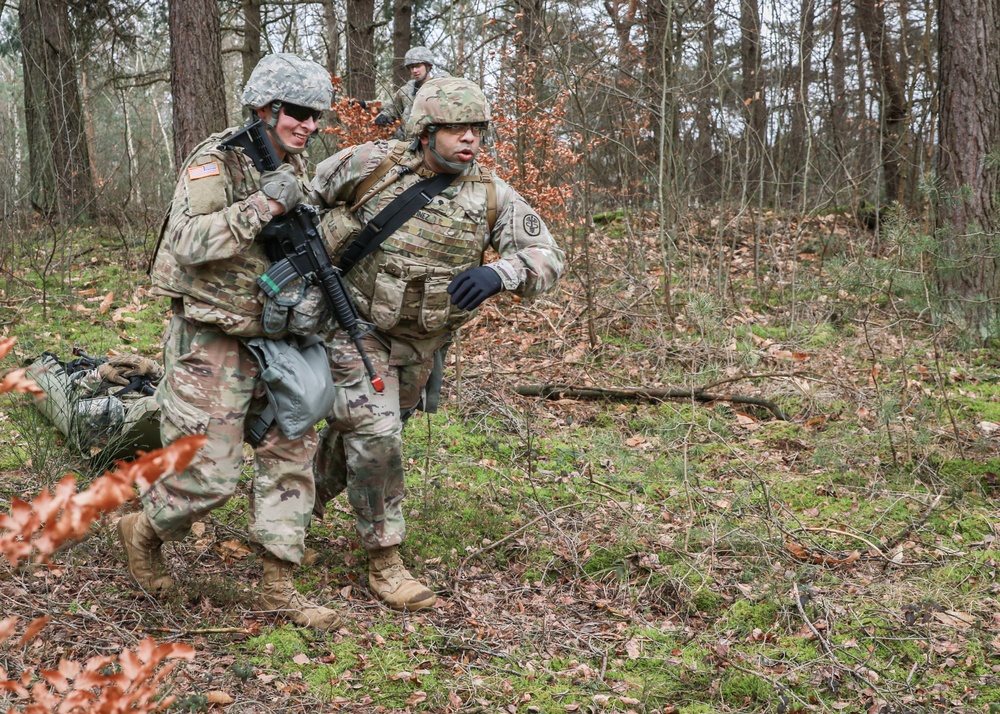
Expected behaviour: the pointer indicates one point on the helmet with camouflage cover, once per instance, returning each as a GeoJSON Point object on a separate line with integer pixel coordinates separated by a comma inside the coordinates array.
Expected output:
{"type": "Point", "coordinates": [289, 79]}
{"type": "Point", "coordinates": [447, 100]}
{"type": "Point", "coordinates": [418, 55]}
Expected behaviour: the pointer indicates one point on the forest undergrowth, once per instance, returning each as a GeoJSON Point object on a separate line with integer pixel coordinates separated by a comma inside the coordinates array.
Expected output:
{"type": "Point", "coordinates": [624, 554]}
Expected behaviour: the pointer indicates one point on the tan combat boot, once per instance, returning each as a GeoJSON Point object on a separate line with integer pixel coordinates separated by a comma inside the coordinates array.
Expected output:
{"type": "Point", "coordinates": [394, 584]}
{"type": "Point", "coordinates": [278, 593]}
{"type": "Point", "coordinates": [142, 548]}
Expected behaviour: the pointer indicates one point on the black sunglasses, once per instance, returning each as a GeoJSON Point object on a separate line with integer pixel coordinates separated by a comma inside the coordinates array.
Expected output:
{"type": "Point", "coordinates": [300, 113]}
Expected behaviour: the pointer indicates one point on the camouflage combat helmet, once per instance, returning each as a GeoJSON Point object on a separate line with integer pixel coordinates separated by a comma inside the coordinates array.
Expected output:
{"type": "Point", "coordinates": [418, 55]}
{"type": "Point", "coordinates": [447, 100]}
{"type": "Point", "coordinates": [290, 79]}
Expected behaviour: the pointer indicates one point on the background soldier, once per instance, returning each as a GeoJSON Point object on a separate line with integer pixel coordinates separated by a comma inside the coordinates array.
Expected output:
{"type": "Point", "coordinates": [423, 282]}
{"type": "Point", "coordinates": [208, 263]}
{"type": "Point", "coordinates": [420, 62]}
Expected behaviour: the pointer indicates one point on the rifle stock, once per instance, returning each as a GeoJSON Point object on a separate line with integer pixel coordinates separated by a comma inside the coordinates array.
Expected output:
{"type": "Point", "coordinates": [256, 146]}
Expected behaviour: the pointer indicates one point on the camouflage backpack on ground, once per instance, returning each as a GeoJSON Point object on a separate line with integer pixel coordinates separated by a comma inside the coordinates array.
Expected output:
{"type": "Point", "coordinates": [104, 407]}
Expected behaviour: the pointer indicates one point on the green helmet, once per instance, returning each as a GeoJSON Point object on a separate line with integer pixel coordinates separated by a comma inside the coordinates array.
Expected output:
{"type": "Point", "coordinates": [418, 55]}
{"type": "Point", "coordinates": [289, 79]}
{"type": "Point", "coordinates": [447, 100]}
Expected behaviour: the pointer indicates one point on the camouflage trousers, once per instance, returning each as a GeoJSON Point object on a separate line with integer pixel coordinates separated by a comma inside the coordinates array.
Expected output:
{"type": "Point", "coordinates": [212, 387]}
{"type": "Point", "coordinates": [361, 449]}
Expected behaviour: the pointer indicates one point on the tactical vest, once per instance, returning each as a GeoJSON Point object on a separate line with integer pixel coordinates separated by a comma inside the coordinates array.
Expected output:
{"type": "Point", "coordinates": [402, 287]}
{"type": "Point", "coordinates": [226, 289]}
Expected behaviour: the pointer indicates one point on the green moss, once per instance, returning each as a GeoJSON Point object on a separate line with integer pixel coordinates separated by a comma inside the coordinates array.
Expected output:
{"type": "Point", "coordinates": [738, 688]}
{"type": "Point", "coordinates": [283, 642]}
{"type": "Point", "coordinates": [824, 335]}
{"type": "Point", "coordinates": [745, 616]}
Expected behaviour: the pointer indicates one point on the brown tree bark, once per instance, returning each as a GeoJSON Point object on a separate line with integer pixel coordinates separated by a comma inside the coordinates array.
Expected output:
{"type": "Point", "coordinates": [707, 179]}
{"type": "Point", "coordinates": [60, 162]}
{"type": "Point", "coordinates": [755, 106]}
{"type": "Point", "coordinates": [968, 269]}
{"type": "Point", "coordinates": [333, 35]}
{"type": "Point", "coordinates": [196, 79]}
{"type": "Point", "coordinates": [360, 75]}
{"type": "Point", "coordinates": [402, 32]}
{"type": "Point", "coordinates": [252, 28]}
{"type": "Point", "coordinates": [803, 81]}
{"type": "Point", "coordinates": [890, 77]}
{"type": "Point", "coordinates": [838, 73]}
{"type": "Point", "coordinates": [530, 42]}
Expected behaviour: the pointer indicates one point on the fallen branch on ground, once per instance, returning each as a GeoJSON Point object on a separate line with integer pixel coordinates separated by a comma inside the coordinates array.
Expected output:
{"type": "Point", "coordinates": [565, 391]}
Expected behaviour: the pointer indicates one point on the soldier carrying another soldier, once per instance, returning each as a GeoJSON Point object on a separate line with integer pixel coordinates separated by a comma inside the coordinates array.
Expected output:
{"type": "Point", "coordinates": [208, 264]}
{"type": "Point", "coordinates": [417, 279]}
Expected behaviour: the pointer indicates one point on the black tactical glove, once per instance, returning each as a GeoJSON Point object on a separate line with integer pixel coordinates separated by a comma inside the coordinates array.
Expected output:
{"type": "Point", "coordinates": [360, 102]}
{"type": "Point", "coordinates": [282, 186]}
{"type": "Point", "coordinates": [382, 120]}
{"type": "Point", "coordinates": [471, 287]}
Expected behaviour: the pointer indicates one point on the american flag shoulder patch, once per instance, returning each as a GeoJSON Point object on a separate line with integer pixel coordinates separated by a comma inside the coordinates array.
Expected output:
{"type": "Point", "coordinates": [203, 171]}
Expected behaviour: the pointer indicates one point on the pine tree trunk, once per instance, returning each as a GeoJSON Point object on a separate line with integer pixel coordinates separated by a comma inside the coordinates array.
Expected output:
{"type": "Point", "coordinates": [889, 75]}
{"type": "Point", "coordinates": [402, 19]}
{"type": "Point", "coordinates": [252, 27]}
{"type": "Point", "coordinates": [360, 79]}
{"type": "Point", "coordinates": [60, 163]}
{"type": "Point", "coordinates": [196, 78]}
{"type": "Point", "coordinates": [968, 269]}
{"type": "Point", "coordinates": [755, 106]}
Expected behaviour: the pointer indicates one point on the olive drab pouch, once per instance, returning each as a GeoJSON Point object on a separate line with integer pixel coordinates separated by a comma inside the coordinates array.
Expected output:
{"type": "Point", "coordinates": [387, 300]}
{"type": "Point", "coordinates": [339, 227]}
{"type": "Point", "coordinates": [277, 308]}
{"type": "Point", "coordinates": [435, 303]}
{"type": "Point", "coordinates": [99, 420]}
{"type": "Point", "coordinates": [299, 309]}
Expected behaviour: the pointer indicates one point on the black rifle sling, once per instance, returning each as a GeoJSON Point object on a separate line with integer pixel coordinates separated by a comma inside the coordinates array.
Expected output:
{"type": "Point", "coordinates": [390, 218]}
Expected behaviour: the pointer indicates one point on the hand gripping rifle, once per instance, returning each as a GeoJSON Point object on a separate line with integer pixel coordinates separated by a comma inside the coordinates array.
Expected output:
{"type": "Point", "coordinates": [295, 243]}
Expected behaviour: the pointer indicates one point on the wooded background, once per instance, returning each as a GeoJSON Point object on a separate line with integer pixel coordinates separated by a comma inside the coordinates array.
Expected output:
{"type": "Point", "coordinates": [662, 108]}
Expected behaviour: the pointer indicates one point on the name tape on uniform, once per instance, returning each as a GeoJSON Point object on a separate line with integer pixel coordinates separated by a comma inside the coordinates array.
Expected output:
{"type": "Point", "coordinates": [203, 171]}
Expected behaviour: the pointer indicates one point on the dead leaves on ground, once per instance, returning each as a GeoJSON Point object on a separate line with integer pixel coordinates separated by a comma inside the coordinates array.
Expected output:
{"type": "Point", "coordinates": [800, 552]}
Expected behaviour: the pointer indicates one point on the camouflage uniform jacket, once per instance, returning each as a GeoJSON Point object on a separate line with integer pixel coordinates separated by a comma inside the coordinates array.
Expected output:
{"type": "Point", "coordinates": [207, 254]}
{"type": "Point", "coordinates": [402, 286]}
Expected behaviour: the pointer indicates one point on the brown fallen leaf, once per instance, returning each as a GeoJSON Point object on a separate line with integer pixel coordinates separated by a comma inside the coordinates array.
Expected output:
{"type": "Point", "coordinates": [217, 696]}
{"type": "Point", "coordinates": [106, 302]}
{"type": "Point", "coordinates": [954, 618]}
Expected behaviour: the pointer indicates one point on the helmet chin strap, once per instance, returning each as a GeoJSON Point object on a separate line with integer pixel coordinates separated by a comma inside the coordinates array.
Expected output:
{"type": "Point", "coordinates": [456, 166]}
{"type": "Point", "coordinates": [273, 131]}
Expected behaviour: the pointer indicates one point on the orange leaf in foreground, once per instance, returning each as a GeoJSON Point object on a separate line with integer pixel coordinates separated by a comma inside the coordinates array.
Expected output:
{"type": "Point", "coordinates": [15, 381]}
{"type": "Point", "coordinates": [52, 519]}
{"type": "Point", "coordinates": [34, 628]}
